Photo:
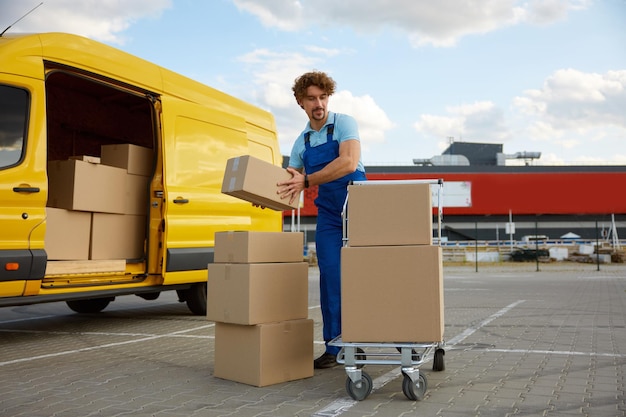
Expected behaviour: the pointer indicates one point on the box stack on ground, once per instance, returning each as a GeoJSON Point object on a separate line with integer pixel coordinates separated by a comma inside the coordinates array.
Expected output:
{"type": "Point", "coordinates": [102, 201]}
{"type": "Point", "coordinates": [257, 294]}
{"type": "Point", "coordinates": [392, 280]}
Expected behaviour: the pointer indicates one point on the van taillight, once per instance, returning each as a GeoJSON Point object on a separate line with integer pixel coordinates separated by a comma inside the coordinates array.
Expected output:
{"type": "Point", "coordinates": [12, 266]}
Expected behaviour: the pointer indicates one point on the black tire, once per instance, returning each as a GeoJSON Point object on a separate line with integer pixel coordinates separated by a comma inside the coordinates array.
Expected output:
{"type": "Point", "coordinates": [359, 391]}
{"type": "Point", "coordinates": [438, 361]}
{"type": "Point", "coordinates": [92, 305]}
{"type": "Point", "coordinates": [411, 390]}
{"type": "Point", "coordinates": [149, 295]}
{"type": "Point", "coordinates": [195, 297]}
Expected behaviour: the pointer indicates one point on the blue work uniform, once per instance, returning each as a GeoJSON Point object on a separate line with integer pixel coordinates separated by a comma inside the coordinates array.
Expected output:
{"type": "Point", "coordinates": [330, 200]}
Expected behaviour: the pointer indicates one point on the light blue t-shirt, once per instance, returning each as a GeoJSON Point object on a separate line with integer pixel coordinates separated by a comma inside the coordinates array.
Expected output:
{"type": "Point", "coordinates": [345, 128]}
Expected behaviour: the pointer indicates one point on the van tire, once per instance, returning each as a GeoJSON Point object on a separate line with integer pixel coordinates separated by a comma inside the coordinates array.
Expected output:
{"type": "Point", "coordinates": [195, 297]}
{"type": "Point", "coordinates": [150, 296]}
{"type": "Point", "coordinates": [92, 305]}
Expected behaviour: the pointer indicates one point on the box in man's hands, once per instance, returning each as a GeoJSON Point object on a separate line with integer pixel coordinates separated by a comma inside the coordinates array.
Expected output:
{"type": "Point", "coordinates": [254, 180]}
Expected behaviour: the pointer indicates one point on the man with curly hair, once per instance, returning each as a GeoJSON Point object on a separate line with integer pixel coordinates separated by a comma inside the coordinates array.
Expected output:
{"type": "Point", "coordinates": [328, 154]}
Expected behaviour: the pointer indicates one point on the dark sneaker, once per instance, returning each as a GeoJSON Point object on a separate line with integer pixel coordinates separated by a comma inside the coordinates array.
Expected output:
{"type": "Point", "coordinates": [327, 360]}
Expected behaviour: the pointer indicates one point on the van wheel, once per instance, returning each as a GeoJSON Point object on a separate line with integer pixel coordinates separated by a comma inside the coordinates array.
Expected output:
{"type": "Point", "coordinates": [92, 305]}
{"type": "Point", "coordinates": [149, 295]}
{"type": "Point", "coordinates": [195, 297]}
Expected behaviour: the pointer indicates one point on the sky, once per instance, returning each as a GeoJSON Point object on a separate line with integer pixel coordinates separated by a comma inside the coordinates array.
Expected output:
{"type": "Point", "coordinates": [544, 76]}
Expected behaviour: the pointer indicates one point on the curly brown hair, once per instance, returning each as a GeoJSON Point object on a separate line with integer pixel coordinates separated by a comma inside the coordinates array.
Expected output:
{"type": "Point", "coordinates": [316, 78]}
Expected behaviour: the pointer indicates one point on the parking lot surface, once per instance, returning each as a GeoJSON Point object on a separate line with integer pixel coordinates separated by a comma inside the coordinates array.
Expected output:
{"type": "Point", "coordinates": [519, 342]}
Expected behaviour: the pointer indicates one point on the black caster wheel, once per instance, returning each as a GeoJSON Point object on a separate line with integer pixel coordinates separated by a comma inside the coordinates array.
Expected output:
{"type": "Point", "coordinates": [415, 391]}
{"type": "Point", "coordinates": [438, 362]}
{"type": "Point", "coordinates": [360, 390]}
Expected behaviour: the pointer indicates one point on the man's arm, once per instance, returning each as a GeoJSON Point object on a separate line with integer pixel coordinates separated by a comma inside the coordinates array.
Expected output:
{"type": "Point", "coordinates": [346, 163]}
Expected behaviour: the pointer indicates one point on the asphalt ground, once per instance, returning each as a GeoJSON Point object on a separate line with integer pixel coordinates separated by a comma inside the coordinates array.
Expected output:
{"type": "Point", "coordinates": [519, 342]}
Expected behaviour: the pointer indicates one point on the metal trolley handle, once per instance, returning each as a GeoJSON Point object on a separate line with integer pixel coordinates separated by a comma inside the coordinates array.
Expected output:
{"type": "Point", "coordinates": [439, 182]}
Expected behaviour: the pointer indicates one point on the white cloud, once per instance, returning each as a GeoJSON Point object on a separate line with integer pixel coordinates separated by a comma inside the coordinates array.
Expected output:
{"type": "Point", "coordinates": [427, 22]}
{"type": "Point", "coordinates": [571, 100]}
{"type": "Point", "coordinates": [572, 111]}
{"type": "Point", "coordinates": [481, 121]}
{"type": "Point", "coordinates": [373, 121]}
{"type": "Point", "coordinates": [282, 14]}
{"type": "Point", "coordinates": [273, 74]}
{"type": "Point", "coordinates": [547, 11]}
{"type": "Point", "coordinates": [102, 20]}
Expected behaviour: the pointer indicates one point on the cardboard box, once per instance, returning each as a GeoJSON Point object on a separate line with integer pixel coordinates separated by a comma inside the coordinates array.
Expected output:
{"type": "Point", "coordinates": [390, 214]}
{"type": "Point", "coordinates": [264, 354]}
{"type": "Point", "coordinates": [67, 234]}
{"type": "Point", "coordinates": [117, 236]}
{"type": "Point", "coordinates": [80, 185]}
{"type": "Point", "coordinates": [137, 194]}
{"type": "Point", "coordinates": [254, 180]}
{"type": "Point", "coordinates": [257, 293]}
{"type": "Point", "coordinates": [86, 158]}
{"type": "Point", "coordinates": [258, 247]}
{"type": "Point", "coordinates": [134, 159]}
{"type": "Point", "coordinates": [392, 294]}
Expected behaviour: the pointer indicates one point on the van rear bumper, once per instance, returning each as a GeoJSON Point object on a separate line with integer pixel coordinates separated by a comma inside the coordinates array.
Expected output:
{"type": "Point", "coordinates": [22, 264]}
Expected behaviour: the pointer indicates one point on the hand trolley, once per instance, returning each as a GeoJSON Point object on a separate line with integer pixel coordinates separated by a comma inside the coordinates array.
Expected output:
{"type": "Point", "coordinates": [408, 355]}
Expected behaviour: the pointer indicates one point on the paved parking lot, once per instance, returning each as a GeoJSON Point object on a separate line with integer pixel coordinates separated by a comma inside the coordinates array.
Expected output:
{"type": "Point", "coordinates": [520, 342]}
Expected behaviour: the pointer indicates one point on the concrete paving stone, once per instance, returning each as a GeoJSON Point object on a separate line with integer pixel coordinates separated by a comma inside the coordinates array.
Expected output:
{"type": "Point", "coordinates": [535, 402]}
{"type": "Point", "coordinates": [510, 393]}
{"type": "Point", "coordinates": [476, 387]}
{"type": "Point", "coordinates": [603, 398]}
{"type": "Point", "coordinates": [456, 413]}
{"type": "Point", "coordinates": [496, 407]}
{"type": "Point", "coordinates": [294, 410]}
{"type": "Point", "coordinates": [182, 412]}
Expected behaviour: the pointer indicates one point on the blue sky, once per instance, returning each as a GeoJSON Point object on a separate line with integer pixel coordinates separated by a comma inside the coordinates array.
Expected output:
{"type": "Point", "coordinates": [546, 76]}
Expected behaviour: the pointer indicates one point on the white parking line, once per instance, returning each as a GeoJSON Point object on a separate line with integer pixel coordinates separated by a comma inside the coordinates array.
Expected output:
{"type": "Point", "coordinates": [68, 352]}
{"type": "Point", "coordinates": [105, 333]}
{"type": "Point", "coordinates": [26, 319]}
{"type": "Point", "coordinates": [342, 405]}
{"type": "Point", "coordinates": [470, 330]}
{"type": "Point", "coordinates": [558, 352]}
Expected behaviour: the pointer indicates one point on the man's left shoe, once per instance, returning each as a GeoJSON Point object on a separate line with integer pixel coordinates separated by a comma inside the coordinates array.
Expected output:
{"type": "Point", "coordinates": [327, 360]}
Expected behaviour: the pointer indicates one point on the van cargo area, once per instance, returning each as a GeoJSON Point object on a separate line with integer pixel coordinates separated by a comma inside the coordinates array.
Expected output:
{"type": "Point", "coordinates": [86, 118]}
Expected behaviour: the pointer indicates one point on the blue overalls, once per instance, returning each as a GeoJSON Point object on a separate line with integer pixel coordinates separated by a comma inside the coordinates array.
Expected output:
{"type": "Point", "coordinates": [329, 231]}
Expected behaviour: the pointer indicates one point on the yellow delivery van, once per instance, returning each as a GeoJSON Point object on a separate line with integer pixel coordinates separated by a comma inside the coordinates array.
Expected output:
{"type": "Point", "coordinates": [111, 170]}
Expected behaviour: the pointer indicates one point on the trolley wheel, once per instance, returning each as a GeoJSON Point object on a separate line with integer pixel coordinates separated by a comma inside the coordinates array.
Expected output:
{"type": "Point", "coordinates": [415, 391]}
{"type": "Point", "coordinates": [360, 390]}
{"type": "Point", "coordinates": [438, 362]}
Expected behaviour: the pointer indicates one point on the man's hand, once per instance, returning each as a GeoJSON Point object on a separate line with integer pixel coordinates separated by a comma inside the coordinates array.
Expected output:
{"type": "Point", "coordinates": [292, 187]}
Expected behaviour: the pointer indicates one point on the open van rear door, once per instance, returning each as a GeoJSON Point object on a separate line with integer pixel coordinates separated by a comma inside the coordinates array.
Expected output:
{"type": "Point", "coordinates": [196, 147]}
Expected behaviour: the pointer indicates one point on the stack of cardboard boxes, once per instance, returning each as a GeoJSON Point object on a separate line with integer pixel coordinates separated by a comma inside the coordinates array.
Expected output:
{"type": "Point", "coordinates": [100, 202]}
{"type": "Point", "coordinates": [392, 282]}
{"type": "Point", "coordinates": [258, 296]}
